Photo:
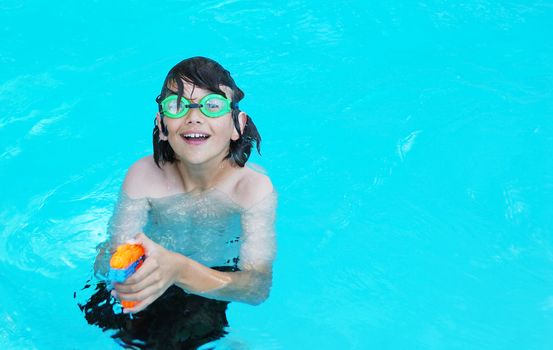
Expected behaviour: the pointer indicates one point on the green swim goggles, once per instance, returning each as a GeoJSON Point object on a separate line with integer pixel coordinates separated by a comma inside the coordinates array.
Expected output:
{"type": "Point", "coordinates": [212, 106]}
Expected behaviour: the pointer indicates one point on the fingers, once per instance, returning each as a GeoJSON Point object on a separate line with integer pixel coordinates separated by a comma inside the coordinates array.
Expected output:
{"type": "Point", "coordinates": [140, 306]}
{"type": "Point", "coordinates": [149, 245]}
{"type": "Point", "coordinates": [131, 289]}
{"type": "Point", "coordinates": [150, 280]}
{"type": "Point", "coordinates": [146, 277]}
{"type": "Point", "coordinates": [152, 290]}
{"type": "Point", "coordinates": [147, 274]}
{"type": "Point", "coordinates": [149, 267]}
{"type": "Point", "coordinates": [141, 238]}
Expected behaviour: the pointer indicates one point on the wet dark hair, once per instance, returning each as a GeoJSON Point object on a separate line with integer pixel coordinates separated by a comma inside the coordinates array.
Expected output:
{"type": "Point", "coordinates": [207, 74]}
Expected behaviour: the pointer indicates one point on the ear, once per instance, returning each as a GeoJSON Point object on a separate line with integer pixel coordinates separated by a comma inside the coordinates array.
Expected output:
{"type": "Point", "coordinates": [162, 136]}
{"type": "Point", "coordinates": [242, 119]}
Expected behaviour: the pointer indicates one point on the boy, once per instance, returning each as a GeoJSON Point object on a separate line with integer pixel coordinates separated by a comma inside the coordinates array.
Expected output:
{"type": "Point", "coordinates": [205, 220]}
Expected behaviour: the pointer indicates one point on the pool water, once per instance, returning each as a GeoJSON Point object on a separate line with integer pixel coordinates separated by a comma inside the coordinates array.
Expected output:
{"type": "Point", "coordinates": [411, 145]}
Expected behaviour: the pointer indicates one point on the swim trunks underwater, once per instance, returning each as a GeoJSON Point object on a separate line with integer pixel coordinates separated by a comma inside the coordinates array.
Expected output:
{"type": "Point", "coordinates": [176, 320]}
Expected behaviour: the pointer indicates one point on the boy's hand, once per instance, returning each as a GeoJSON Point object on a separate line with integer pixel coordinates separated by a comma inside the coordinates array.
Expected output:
{"type": "Point", "coordinates": [151, 280]}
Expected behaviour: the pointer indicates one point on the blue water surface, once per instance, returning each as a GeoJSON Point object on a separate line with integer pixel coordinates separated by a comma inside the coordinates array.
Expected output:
{"type": "Point", "coordinates": [411, 144]}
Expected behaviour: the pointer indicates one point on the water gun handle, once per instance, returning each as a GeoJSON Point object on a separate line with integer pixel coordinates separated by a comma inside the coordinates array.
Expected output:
{"type": "Point", "coordinates": [124, 262]}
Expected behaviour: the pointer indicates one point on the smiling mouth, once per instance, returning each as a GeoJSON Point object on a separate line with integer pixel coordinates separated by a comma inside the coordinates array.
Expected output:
{"type": "Point", "coordinates": [195, 138]}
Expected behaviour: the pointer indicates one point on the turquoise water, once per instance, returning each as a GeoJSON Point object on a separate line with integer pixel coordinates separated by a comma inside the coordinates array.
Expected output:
{"type": "Point", "coordinates": [411, 145]}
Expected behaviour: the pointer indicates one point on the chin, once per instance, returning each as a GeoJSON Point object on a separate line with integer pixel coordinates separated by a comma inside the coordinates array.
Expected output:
{"type": "Point", "coordinates": [193, 159]}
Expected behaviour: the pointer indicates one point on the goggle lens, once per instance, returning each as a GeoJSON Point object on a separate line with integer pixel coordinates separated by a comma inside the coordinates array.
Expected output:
{"type": "Point", "coordinates": [171, 107]}
{"type": "Point", "coordinates": [214, 105]}
{"type": "Point", "coordinates": [211, 106]}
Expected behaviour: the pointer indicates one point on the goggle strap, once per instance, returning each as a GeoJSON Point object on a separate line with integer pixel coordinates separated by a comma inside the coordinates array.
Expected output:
{"type": "Point", "coordinates": [234, 105]}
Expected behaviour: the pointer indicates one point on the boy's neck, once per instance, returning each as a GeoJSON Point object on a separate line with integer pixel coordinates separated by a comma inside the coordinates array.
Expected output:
{"type": "Point", "coordinates": [201, 177]}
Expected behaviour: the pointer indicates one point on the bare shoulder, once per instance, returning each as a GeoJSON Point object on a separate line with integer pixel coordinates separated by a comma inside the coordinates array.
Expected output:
{"type": "Point", "coordinates": [252, 187]}
{"type": "Point", "coordinates": [142, 177]}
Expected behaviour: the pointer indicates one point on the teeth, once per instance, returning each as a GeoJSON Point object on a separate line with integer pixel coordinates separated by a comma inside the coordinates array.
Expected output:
{"type": "Point", "coordinates": [195, 135]}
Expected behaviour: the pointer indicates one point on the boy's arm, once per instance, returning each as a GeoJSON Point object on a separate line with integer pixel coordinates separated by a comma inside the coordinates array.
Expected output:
{"type": "Point", "coordinates": [253, 282]}
{"type": "Point", "coordinates": [129, 216]}
{"type": "Point", "coordinates": [251, 287]}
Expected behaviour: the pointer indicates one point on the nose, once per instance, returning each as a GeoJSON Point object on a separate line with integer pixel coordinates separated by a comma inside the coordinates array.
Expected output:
{"type": "Point", "coordinates": [194, 116]}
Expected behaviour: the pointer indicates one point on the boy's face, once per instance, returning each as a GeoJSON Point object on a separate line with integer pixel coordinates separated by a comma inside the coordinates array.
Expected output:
{"type": "Point", "coordinates": [183, 132]}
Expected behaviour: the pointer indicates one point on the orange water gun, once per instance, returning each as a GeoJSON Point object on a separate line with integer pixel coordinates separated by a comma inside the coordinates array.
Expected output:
{"type": "Point", "coordinates": [124, 262]}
